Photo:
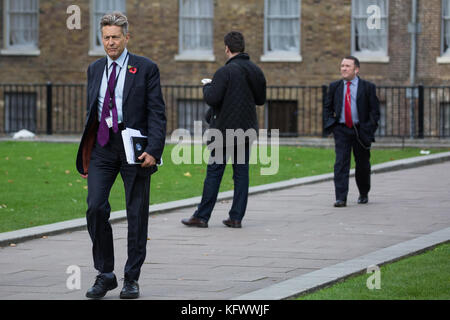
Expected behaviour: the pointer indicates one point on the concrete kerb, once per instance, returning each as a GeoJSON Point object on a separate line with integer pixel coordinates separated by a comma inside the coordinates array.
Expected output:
{"type": "Point", "coordinates": [6, 238]}
{"type": "Point", "coordinates": [328, 276]}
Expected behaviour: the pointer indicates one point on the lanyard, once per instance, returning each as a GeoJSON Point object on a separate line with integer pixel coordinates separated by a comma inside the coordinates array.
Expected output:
{"type": "Point", "coordinates": [111, 94]}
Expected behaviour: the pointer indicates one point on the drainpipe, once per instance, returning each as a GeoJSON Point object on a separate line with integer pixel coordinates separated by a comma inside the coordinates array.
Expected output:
{"type": "Point", "coordinates": [414, 29]}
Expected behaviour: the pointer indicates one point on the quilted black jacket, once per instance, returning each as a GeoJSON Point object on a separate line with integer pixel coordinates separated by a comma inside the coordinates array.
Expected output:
{"type": "Point", "coordinates": [233, 94]}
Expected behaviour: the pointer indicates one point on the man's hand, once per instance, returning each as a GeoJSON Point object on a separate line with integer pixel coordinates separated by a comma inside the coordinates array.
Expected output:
{"type": "Point", "coordinates": [148, 160]}
{"type": "Point", "coordinates": [84, 176]}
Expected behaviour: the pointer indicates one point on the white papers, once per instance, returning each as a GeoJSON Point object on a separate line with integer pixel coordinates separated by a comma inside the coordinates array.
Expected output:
{"type": "Point", "coordinates": [127, 136]}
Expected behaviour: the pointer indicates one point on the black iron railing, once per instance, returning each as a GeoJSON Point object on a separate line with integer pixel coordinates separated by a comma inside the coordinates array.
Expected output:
{"type": "Point", "coordinates": [411, 112]}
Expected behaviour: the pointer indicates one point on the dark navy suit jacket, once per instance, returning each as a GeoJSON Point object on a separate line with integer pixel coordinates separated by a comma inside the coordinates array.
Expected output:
{"type": "Point", "coordinates": [367, 104]}
{"type": "Point", "coordinates": [143, 107]}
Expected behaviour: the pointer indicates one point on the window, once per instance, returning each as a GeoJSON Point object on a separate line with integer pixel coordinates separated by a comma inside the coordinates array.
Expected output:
{"type": "Point", "coordinates": [444, 120]}
{"type": "Point", "coordinates": [381, 131]}
{"type": "Point", "coordinates": [20, 111]}
{"type": "Point", "coordinates": [99, 9]}
{"type": "Point", "coordinates": [370, 30]}
{"type": "Point", "coordinates": [196, 30]}
{"type": "Point", "coordinates": [282, 115]}
{"type": "Point", "coordinates": [190, 110]}
{"type": "Point", "coordinates": [281, 30]}
{"type": "Point", "coordinates": [445, 51]}
{"type": "Point", "coordinates": [21, 27]}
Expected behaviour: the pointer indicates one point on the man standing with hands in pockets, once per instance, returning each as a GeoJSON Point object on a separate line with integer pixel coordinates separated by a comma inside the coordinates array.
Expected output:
{"type": "Point", "coordinates": [351, 112]}
{"type": "Point", "coordinates": [123, 91]}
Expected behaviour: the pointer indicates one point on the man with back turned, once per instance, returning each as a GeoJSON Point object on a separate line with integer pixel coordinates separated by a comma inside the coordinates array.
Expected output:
{"type": "Point", "coordinates": [233, 94]}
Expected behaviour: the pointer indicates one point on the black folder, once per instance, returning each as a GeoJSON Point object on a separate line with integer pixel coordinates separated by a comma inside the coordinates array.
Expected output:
{"type": "Point", "coordinates": [139, 145]}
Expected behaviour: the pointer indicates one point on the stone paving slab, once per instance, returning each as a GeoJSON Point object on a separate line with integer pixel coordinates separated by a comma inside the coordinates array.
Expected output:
{"type": "Point", "coordinates": [329, 275]}
{"type": "Point", "coordinates": [79, 224]}
{"type": "Point", "coordinates": [286, 234]}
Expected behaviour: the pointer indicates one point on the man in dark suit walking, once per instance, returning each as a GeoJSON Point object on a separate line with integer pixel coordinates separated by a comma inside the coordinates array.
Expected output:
{"type": "Point", "coordinates": [351, 113]}
{"type": "Point", "coordinates": [123, 91]}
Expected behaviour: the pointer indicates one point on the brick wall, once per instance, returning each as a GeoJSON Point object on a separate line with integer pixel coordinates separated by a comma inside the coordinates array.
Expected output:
{"type": "Point", "coordinates": [325, 39]}
{"type": "Point", "coordinates": [429, 45]}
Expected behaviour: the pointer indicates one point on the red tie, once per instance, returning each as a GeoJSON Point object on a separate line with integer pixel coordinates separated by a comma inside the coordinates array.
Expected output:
{"type": "Point", "coordinates": [348, 107]}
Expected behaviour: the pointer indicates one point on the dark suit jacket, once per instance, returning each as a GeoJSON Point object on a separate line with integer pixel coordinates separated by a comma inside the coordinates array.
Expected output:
{"type": "Point", "coordinates": [143, 107]}
{"type": "Point", "coordinates": [367, 104]}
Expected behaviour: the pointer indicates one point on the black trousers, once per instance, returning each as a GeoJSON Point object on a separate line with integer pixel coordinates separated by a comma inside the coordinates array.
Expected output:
{"type": "Point", "coordinates": [345, 142]}
{"type": "Point", "coordinates": [106, 163]}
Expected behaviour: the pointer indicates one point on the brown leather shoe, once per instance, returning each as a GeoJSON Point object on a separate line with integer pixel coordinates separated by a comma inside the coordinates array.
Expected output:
{"type": "Point", "coordinates": [195, 222]}
{"type": "Point", "coordinates": [232, 223]}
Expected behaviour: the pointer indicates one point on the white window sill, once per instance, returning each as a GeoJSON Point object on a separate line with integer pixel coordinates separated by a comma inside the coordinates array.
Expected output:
{"type": "Point", "coordinates": [96, 53]}
{"type": "Point", "coordinates": [20, 52]}
{"type": "Point", "coordinates": [443, 60]}
{"type": "Point", "coordinates": [281, 57]}
{"type": "Point", "coordinates": [195, 56]}
{"type": "Point", "coordinates": [372, 59]}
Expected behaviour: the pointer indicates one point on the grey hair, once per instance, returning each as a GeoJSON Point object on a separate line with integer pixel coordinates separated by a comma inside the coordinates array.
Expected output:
{"type": "Point", "coordinates": [115, 19]}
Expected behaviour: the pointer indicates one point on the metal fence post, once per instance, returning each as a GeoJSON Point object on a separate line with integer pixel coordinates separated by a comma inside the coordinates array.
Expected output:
{"type": "Point", "coordinates": [49, 108]}
{"type": "Point", "coordinates": [324, 97]}
{"type": "Point", "coordinates": [421, 112]}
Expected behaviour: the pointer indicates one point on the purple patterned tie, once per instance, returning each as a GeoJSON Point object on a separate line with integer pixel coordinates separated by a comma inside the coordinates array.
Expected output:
{"type": "Point", "coordinates": [109, 103]}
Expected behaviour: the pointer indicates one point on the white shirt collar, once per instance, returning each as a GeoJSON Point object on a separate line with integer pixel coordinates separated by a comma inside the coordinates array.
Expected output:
{"type": "Point", "coordinates": [120, 61]}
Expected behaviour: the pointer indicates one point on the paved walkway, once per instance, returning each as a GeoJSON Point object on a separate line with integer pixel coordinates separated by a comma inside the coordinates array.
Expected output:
{"type": "Point", "coordinates": [286, 234]}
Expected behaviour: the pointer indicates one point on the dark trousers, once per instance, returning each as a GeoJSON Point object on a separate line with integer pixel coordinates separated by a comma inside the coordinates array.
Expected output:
{"type": "Point", "coordinates": [213, 179]}
{"type": "Point", "coordinates": [345, 141]}
{"type": "Point", "coordinates": [106, 163]}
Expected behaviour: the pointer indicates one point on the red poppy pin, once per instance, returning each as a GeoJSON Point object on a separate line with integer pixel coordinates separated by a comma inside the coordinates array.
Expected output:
{"type": "Point", "coordinates": [132, 69]}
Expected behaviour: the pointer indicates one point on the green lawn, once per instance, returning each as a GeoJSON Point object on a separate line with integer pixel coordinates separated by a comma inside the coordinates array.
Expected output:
{"type": "Point", "coordinates": [39, 183]}
{"type": "Point", "coordinates": [422, 277]}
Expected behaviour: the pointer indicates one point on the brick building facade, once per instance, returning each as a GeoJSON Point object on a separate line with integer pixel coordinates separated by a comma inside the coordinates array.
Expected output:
{"type": "Point", "coordinates": [325, 33]}
{"type": "Point", "coordinates": [325, 37]}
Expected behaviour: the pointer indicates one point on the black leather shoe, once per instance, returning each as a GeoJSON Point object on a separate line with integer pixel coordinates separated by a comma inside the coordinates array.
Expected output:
{"type": "Point", "coordinates": [232, 223]}
{"type": "Point", "coordinates": [102, 285]}
{"type": "Point", "coordinates": [195, 222]}
{"type": "Point", "coordinates": [130, 290]}
{"type": "Point", "coordinates": [363, 199]}
{"type": "Point", "coordinates": [340, 203]}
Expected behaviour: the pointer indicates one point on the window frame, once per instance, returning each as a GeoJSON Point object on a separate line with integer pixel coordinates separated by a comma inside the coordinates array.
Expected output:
{"type": "Point", "coordinates": [7, 49]}
{"type": "Point", "coordinates": [370, 58]}
{"type": "Point", "coordinates": [281, 56]}
{"type": "Point", "coordinates": [194, 55]}
{"type": "Point", "coordinates": [95, 50]}
{"type": "Point", "coordinates": [443, 58]}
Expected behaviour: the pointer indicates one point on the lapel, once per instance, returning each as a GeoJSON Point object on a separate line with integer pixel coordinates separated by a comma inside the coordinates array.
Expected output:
{"type": "Point", "coordinates": [359, 94]}
{"type": "Point", "coordinates": [339, 98]}
{"type": "Point", "coordinates": [129, 78]}
{"type": "Point", "coordinates": [97, 81]}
